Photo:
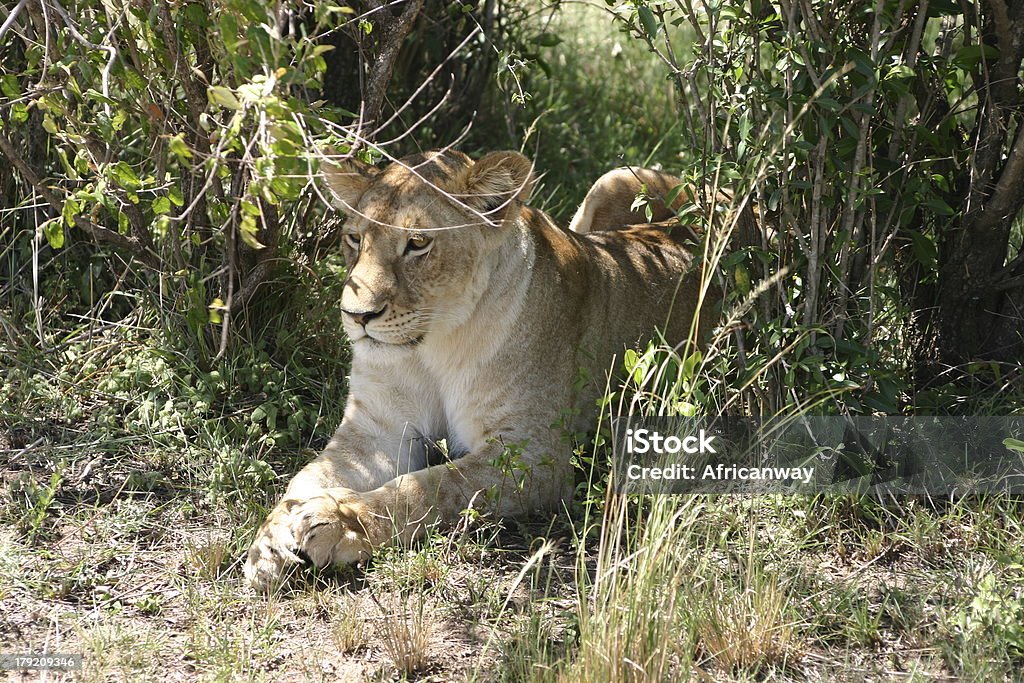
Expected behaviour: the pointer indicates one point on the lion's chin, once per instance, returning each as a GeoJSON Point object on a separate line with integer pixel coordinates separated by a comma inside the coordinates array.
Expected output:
{"type": "Point", "coordinates": [370, 338]}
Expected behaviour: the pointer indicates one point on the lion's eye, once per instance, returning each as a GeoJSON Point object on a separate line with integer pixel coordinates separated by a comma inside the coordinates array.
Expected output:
{"type": "Point", "coordinates": [418, 244]}
{"type": "Point", "coordinates": [352, 239]}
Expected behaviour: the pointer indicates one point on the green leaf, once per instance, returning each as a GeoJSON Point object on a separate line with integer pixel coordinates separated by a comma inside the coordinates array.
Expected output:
{"type": "Point", "coordinates": [249, 230]}
{"type": "Point", "coordinates": [123, 174]}
{"type": "Point", "coordinates": [968, 56]}
{"type": "Point", "coordinates": [215, 309]}
{"type": "Point", "coordinates": [9, 86]}
{"type": "Point", "coordinates": [685, 408]}
{"type": "Point", "coordinates": [68, 168]}
{"type": "Point", "coordinates": [742, 278]}
{"type": "Point", "coordinates": [1014, 444]}
{"type": "Point", "coordinates": [179, 149]}
{"type": "Point", "coordinates": [901, 71]}
{"type": "Point", "coordinates": [70, 209]}
{"type": "Point", "coordinates": [249, 208]}
{"type": "Point", "coordinates": [228, 32]}
{"type": "Point", "coordinates": [160, 226]}
{"type": "Point", "coordinates": [54, 231]}
{"type": "Point", "coordinates": [174, 194]}
{"type": "Point", "coordinates": [547, 39]}
{"type": "Point", "coordinates": [223, 97]}
{"type": "Point", "coordinates": [829, 103]}
{"type": "Point", "coordinates": [691, 364]}
{"type": "Point", "coordinates": [94, 94]}
{"type": "Point", "coordinates": [938, 206]}
{"type": "Point", "coordinates": [648, 21]}
{"type": "Point", "coordinates": [630, 360]}
{"type": "Point", "coordinates": [161, 205]}
{"type": "Point", "coordinates": [267, 412]}
{"type": "Point", "coordinates": [673, 194]}
{"type": "Point", "coordinates": [197, 15]}
{"type": "Point", "coordinates": [134, 79]}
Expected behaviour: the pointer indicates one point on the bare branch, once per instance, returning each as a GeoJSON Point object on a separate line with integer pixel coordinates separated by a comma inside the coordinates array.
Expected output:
{"type": "Point", "coordinates": [422, 86]}
{"type": "Point", "coordinates": [9, 21]}
{"type": "Point", "coordinates": [138, 225]}
{"type": "Point", "coordinates": [1007, 197]}
{"type": "Point", "coordinates": [392, 35]}
{"type": "Point", "coordinates": [195, 94]}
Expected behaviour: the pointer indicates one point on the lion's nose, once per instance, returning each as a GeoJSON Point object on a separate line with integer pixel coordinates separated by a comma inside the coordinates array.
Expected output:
{"type": "Point", "coordinates": [363, 317]}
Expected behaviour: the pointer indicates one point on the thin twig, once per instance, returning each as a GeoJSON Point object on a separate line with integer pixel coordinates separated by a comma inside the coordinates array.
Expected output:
{"type": "Point", "coordinates": [72, 28]}
{"type": "Point", "coordinates": [9, 21]}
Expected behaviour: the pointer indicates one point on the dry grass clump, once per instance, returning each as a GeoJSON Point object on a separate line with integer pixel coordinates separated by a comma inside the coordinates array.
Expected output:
{"type": "Point", "coordinates": [405, 632]}
{"type": "Point", "coordinates": [749, 629]}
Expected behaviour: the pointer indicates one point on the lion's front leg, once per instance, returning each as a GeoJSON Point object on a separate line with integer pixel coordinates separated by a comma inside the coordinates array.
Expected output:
{"type": "Point", "coordinates": [334, 527]}
{"type": "Point", "coordinates": [328, 515]}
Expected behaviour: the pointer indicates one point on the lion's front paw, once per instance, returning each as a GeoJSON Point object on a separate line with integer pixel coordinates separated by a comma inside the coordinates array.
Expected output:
{"type": "Point", "coordinates": [319, 529]}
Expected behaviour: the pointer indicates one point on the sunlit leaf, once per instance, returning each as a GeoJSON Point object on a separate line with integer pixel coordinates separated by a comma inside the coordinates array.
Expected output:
{"type": "Point", "coordinates": [223, 97]}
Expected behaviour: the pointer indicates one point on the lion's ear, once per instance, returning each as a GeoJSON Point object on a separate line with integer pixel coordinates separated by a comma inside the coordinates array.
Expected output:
{"type": "Point", "coordinates": [497, 180]}
{"type": "Point", "coordinates": [347, 180]}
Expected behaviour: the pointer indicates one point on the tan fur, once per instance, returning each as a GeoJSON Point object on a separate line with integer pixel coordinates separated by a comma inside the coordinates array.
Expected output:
{"type": "Point", "coordinates": [478, 342]}
{"type": "Point", "coordinates": [608, 204]}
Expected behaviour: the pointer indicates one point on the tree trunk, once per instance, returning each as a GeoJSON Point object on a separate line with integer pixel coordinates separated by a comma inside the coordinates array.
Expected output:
{"type": "Point", "coordinates": [979, 313]}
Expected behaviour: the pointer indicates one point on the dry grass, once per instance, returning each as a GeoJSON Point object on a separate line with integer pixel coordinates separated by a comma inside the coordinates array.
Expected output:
{"type": "Point", "coordinates": [406, 632]}
{"type": "Point", "coordinates": [732, 589]}
{"type": "Point", "coordinates": [749, 629]}
{"type": "Point", "coordinates": [348, 626]}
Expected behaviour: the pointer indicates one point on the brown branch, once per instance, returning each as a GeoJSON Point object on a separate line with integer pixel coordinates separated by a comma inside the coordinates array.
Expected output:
{"type": "Point", "coordinates": [9, 21]}
{"type": "Point", "coordinates": [393, 33]}
{"type": "Point", "coordinates": [195, 94]}
{"type": "Point", "coordinates": [1008, 283]}
{"type": "Point", "coordinates": [138, 224]}
{"type": "Point", "coordinates": [257, 274]}
{"type": "Point", "coordinates": [253, 280]}
{"type": "Point", "coordinates": [98, 232]}
{"type": "Point", "coordinates": [195, 97]}
{"type": "Point", "coordinates": [999, 99]}
{"type": "Point", "coordinates": [910, 53]}
{"type": "Point", "coordinates": [691, 16]}
{"type": "Point", "coordinates": [852, 230]}
{"type": "Point", "coordinates": [1007, 197]}
{"type": "Point", "coordinates": [1001, 22]}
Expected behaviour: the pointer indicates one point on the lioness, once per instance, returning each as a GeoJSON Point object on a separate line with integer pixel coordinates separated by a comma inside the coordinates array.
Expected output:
{"type": "Point", "coordinates": [471, 316]}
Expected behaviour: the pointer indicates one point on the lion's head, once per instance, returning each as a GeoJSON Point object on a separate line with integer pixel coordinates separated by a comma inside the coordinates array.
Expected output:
{"type": "Point", "coordinates": [420, 238]}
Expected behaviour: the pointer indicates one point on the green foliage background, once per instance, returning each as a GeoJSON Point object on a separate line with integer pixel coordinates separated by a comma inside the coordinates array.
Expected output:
{"type": "Point", "coordinates": [184, 139]}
